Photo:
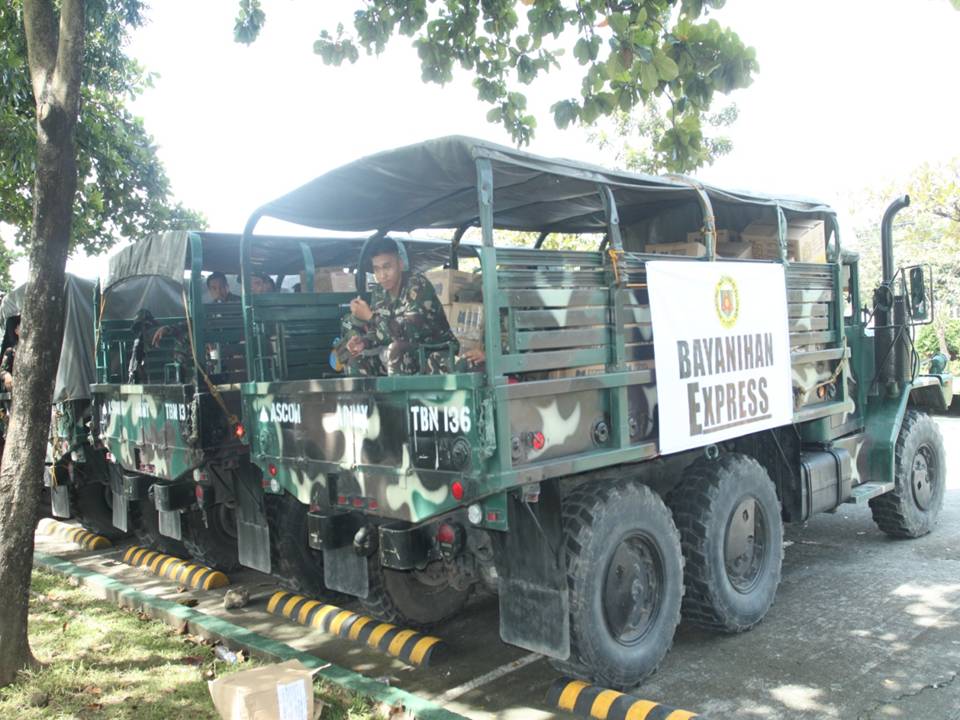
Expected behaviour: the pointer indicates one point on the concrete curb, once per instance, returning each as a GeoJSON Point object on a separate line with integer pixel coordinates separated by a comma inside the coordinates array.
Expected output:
{"type": "Point", "coordinates": [175, 614]}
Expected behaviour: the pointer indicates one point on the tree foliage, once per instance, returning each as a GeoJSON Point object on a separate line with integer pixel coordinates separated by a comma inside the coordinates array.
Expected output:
{"type": "Point", "coordinates": [630, 53]}
{"type": "Point", "coordinates": [927, 232]}
{"type": "Point", "coordinates": [123, 190]}
{"type": "Point", "coordinates": [634, 140]}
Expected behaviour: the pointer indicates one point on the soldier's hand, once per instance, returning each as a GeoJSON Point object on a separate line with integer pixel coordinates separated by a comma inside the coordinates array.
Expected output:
{"type": "Point", "coordinates": [159, 335]}
{"type": "Point", "coordinates": [476, 355]}
{"type": "Point", "coordinates": [355, 345]}
{"type": "Point", "coordinates": [7, 381]}
{"type": "Point", "coordinates": [361, 311]}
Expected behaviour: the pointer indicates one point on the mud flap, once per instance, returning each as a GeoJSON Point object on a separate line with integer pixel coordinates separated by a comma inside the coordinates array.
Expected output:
{"type": "Point", "coordinates": [346, 572]}
{"type": "Point", "coordinates": [170, 524]}
{"type": "Point", "coordinates": [253, 533]}
{"type": "Point", "coordinates": [534, 602]}
{"type": "Point", "coordinates": [60, 500]}
{"type": "Point", "coordinates": [121, 511]}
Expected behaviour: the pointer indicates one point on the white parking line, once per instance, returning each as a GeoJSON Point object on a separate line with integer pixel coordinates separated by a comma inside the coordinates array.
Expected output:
{"type": "Point", "coordinates": [454, 693]}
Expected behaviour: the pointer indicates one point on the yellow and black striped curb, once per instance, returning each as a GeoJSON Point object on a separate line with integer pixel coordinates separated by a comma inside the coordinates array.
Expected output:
{"type": "Point", "coordinates": [75, 534]}
{"type": "Point", "coordinates": [408, 645]}
{"type": "Point", "coordinates": [590, 701]}
{"type": "Point", "coordinates": [199, 577]}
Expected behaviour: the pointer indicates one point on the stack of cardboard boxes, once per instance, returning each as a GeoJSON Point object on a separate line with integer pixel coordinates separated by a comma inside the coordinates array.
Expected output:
{"type": "Point", "coordinates": [805, 243]}
{"type": "Point", "coordinates": [460, 294]}
{"type": "Point", "coordinates": [331, 279]}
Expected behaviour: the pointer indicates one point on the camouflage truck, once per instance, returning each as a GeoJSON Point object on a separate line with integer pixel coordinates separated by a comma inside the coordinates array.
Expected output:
{"type": "Point", "coordinates": [167, 405]}
{"type": "Point", "coordinates": [643, 425]}
{"type": "Point", "coordinates": [77, 474]}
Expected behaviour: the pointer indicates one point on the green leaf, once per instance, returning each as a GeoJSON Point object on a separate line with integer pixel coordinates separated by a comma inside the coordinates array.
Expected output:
{"type": "Point", "coordinates": [649, 79]}
{"type": "Point", "coordinates": [666, 68]}
{"type": "Point", "coordinates": [581, 51]}
{"type": "Point", "coordinates": [618, 22]}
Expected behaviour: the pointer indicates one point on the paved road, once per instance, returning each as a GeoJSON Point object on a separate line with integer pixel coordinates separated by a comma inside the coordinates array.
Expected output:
{"type": "Point", "coordinates": [863, 627]}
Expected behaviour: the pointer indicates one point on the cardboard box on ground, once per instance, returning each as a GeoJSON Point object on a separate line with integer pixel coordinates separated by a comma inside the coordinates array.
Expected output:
{"type": "Point", "coordinates": [330, 279]}
{"type": "Point", "coordinates": [283, 691]}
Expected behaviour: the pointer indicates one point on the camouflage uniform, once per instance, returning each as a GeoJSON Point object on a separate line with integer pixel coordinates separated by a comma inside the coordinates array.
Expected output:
{"type": "Point", "coordinates": [399, 326]}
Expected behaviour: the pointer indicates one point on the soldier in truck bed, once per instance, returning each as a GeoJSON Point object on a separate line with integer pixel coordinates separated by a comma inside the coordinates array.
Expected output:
{"type": "Point", "coordinates": [383, 337]}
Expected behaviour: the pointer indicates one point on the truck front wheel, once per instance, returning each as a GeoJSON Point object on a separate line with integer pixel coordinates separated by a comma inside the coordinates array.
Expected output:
{"type": "Point", "coordinates": [729, 519]}
{"type": "Point", "coordinates": [412, 598]}
{"type": "Point", "coordinates": [913, 507]}
{"type": "Point", "coordinates": [625, 577]}
{"type": "Point", "coordinates": [298, 567]}
{"type": "Point", "coordinates": [212, 543]}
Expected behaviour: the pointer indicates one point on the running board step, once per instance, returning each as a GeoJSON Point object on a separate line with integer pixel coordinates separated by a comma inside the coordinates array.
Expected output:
{"type": "Point", "coordinates": [867, 491]}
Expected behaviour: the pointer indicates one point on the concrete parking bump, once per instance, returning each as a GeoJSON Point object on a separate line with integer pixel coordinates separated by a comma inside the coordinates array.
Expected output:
{"type": "Point", "coordinates": [410, 646]}
{"type": "Point", "coordinates": [590, 701]}
{"type": "Point", "coordinates": [198, 577]}
{"type": "Point", "coordinates": [74, 534]}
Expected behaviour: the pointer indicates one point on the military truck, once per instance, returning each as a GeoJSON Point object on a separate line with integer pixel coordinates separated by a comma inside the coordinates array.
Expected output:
{"type": "Point", "coordinates": [77, 474]}
{"type": "Point", "coordinates": [643, 425]}
{"type": "Point", "coordinates": [166, 407]}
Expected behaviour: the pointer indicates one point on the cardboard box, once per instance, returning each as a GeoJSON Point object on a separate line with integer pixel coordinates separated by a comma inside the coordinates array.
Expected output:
{"type": "Point", "coordinates": [577, 372]}
{"type": "Point", "coordinates": [466, 320]}
{"type": "Point", "coordinates": [450, 284]}
{"type": "Point", "coordinates": [739, 250]}
{"type": "Point", "coordinates": [805, 241]}
{"type": "Point", "coordinates": [688, 249]}
{"type": "Point", "coordinates": [331, 279]}
{"type": "Point", "coordinates": [722, 236]}
{"type": "Point", "coordinates": [283, 691]}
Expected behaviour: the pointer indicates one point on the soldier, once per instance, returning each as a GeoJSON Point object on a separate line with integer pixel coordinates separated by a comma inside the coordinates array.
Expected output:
{"type": "Point", "coordinates": [219, 290]}
{"type": "Point", "coordinates": [6, 363]}
{"type": "Point", "coordinates": [403, 315]}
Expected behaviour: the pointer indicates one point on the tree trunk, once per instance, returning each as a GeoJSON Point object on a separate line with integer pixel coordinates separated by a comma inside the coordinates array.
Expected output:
{"type": "Point", "coordinates": [55, 56]}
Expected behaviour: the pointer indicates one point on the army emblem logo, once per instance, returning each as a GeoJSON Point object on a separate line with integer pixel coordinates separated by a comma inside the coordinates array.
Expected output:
{"type": "Point", "coordinates": [727, 301]}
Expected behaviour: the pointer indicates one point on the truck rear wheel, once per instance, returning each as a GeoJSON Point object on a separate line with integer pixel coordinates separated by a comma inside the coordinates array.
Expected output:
{"type": "Point", "coordinates": [729, 520]}
{"type": "Point", "coordinates": [412, 598]}
{"type": "Point", "coordinates": [625, 576]}
{"type": "Point", "coordinates": [213, 543]}
{"type": "Point", "coordinates": [147, 530]}
{"type": "Point", "coordinates": [913, 507]}
{"type": "Point", "coordinates": [297, 566]}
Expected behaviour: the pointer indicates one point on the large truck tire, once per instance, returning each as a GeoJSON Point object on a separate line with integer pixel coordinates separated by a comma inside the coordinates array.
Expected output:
{"type": "Point", "coordinates": [297, 566]}
{"type": "Point", "coordinates": [625, 577]}
{"type": "Point", "coordinates": [912, 508]}
{"type": "Point", "coordinates": [146, 528]}
{"type": "Point", "coordinates": [412, 598]}
{"type": "Point", "coordinates": [92, 505]}
{"type": "Point", "coordinates": [732, 535]}
{"type": "Point", "coordinates": [212, 543]}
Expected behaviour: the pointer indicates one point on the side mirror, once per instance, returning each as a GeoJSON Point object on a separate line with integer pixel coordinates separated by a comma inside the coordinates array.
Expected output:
{"type": "Point", "coordinates": [919, 309]}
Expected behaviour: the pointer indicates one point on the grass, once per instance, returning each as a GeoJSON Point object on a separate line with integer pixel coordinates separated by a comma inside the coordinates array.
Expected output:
{"type": "Point", "coordinates": [101, 661]}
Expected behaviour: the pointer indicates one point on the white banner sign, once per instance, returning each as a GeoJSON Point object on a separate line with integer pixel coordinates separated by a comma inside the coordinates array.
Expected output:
{"type": "Point", "coordinates": [722, 348]}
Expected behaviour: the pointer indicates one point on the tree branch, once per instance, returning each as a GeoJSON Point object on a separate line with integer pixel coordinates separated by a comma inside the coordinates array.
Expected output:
{"type": "Point", "coordinates": [40, 24]}
{"type": "Point", "coordinates": [66, 78]}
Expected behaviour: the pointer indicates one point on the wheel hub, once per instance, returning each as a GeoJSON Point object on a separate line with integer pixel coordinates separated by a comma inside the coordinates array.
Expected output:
{"type": "Point", "coordinates": [922, 478]}
{"type": "Point", "coordinates": [632, 588]}
{"type": "Point", "coordinates": [744, 545]}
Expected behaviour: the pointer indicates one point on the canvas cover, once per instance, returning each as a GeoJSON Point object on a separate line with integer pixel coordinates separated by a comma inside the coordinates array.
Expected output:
{"type": "Point", "coordinates": [77, 369]}
{"type": "Point", "coordinates": [167, 255]}
{"type": "Point", "coordinates": [434, 185]}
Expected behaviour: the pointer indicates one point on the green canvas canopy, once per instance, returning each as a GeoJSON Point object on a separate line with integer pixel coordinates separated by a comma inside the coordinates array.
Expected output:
{"type": "Point", "coordinates": [77, 369]}
{"type": "Point", "coordinates": [152, 272]}
{"type": "Point", "coordinates": [434, 185]}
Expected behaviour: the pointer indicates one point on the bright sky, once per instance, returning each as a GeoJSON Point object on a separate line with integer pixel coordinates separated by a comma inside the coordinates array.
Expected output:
{"type": "Point", "coordinates": [850, 94]}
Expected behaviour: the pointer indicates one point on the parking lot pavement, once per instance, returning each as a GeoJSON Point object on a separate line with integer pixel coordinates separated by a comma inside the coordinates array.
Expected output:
{"type": "Point", "coordinates": [863, 627]}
